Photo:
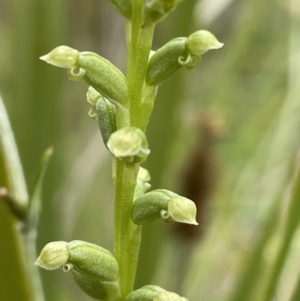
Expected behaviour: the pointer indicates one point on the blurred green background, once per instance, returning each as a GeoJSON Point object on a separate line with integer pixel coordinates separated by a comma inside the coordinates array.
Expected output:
{"type": "Point", "coordinates": [225, 134]}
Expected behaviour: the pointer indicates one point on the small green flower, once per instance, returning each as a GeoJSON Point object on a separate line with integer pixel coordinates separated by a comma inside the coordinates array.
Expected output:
{"type": "Point", "coordinates": [179, 52]}
{"type": "Point", "coordinates": [165, 204]}
{"type": "Point", "coordinates": [97, 71]}
{"type": "Point", "coordinates": [130, 144]}
{"type": "Point", "coordinates": [197, 44]}
{"type": "Point", "coordinates": [94, 268]}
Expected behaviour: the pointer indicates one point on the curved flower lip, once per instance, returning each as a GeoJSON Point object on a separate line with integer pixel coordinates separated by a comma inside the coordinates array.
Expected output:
{"type": "Point", "coordinates": [62, 56]}
{"type": "Point", "coordinates": [128, 152]}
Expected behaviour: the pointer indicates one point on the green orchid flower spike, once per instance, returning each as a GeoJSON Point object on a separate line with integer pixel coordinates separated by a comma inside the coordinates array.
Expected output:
{"type": "Point", "coordinates": [122, 105]}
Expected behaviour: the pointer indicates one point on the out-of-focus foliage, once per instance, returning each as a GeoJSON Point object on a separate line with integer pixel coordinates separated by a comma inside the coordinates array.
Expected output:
{"type": "Point", "coordinates": [234, 119]}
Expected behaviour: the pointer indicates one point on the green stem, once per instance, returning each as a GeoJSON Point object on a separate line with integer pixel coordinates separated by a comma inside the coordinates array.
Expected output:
{"type": "Point", "coordinates": [142, 57]}
{"type": "Point", "coordinates": [127, 236]}
{"type": "Point", "coordinates": [139, 42]}
{"type": "Point", "coordinates": [125, 244]}
{"type": "Point", "coordinates": [123, 118]}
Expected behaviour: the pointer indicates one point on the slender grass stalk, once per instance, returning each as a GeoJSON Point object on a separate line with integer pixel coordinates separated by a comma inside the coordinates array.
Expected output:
{"type": "Point", "coordinates": [291, 224]}
{"type": "Point", "coordinates": [12, 161]}
{"type": "Point", "coordinates": [18, 190]}
{"type": "Point", "coordinates": [296, 293]}
{"type": "Point", "coordinates": [293, 214]}
{"type": "Point", "coordinates": [248, 280]}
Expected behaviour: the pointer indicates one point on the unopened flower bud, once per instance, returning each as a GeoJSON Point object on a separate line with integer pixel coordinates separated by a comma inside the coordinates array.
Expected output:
{"type": "Point", "coordinates": [157, 10]}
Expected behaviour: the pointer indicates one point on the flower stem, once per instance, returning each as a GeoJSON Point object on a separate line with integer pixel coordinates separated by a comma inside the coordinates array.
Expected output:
{"type": "Point", "coordinates": [127, 236]}
{"type": "Point", "coordinates": [139, 42]}
{"type": "Point", "coordinates": [125, 245]}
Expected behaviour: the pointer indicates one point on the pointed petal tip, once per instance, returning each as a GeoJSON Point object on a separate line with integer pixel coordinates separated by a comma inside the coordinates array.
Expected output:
{"type": "Point", "coordinates": [44, 57]}
{"type": "Point", "coordinates": [39, 263]}
{"type": "Point", "coordinates": [221, 45]}
{"type": "Point", "coordinates": [217, 45]}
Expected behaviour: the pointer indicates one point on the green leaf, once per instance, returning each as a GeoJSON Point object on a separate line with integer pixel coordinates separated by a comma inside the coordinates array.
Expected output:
{"type": "Point", "coordinates": [36, 191]}
{"type": "Point", "coordinates": [12, 170]}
